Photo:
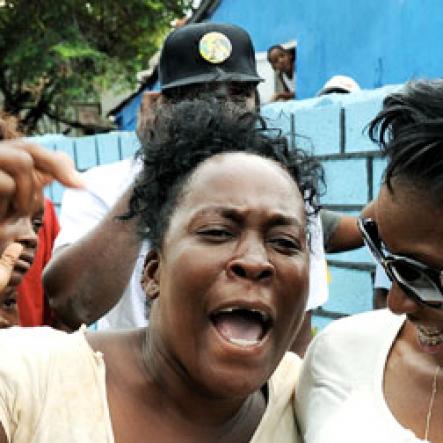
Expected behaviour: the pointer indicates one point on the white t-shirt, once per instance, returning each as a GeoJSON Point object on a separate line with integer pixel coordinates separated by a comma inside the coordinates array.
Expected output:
{"type": "Point", "coordinates": [318, 275]}
{"type": "Point", "coordinates": [53, 390]}
{"type": "Point", "coordinates": [82, 210]}
{"type": "Point", "coordinates": [340, 390]}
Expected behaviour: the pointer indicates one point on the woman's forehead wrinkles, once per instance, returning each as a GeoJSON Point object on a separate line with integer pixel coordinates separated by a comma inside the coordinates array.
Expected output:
{"type": "Point", "coordinates": [238, 214]}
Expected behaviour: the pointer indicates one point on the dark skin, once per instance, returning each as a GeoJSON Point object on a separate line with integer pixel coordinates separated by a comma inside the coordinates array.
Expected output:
{"type": "Point", "coordinates": [23, 232]}
{"type": "Point", "coordinates": [83, 297]}
{"type": "Point", "coordinates": [134, 399]}
{"type": "Point", "coordinates": [223, 247]}
{"type": "Point", "coordinates": [282, 61]}
{"type": "Point", "coordinates": [76, 279]}
{"type": "Point", "coordinates": [410, 364]}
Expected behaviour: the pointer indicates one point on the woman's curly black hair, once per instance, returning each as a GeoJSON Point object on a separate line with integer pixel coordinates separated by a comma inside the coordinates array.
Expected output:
{"type": "Point", "coordinates": [187, 133]}
{"type": "Point", "coordinates": [409, 130]}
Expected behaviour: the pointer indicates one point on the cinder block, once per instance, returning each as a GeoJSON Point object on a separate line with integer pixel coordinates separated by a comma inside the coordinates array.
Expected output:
{"type": "Point", "coordinates": [129, 144]}
{"type": "Point", "coordinates": [319, 129]}
{"type": "Point", "coordinates": [108, 148]}
{"type": "Point", "coordinates": [357, 116]}
{"type": "Point", "coordinates": [278, 120]}
{"type": "Point", "coordinates": [66, 144]}
{"type": "Point", "coordinates": [346, 181]}
{"type": "Point", "coordinates": [350, 291]}
{"type": "Point", "coordinates": [360, 255]}
{"type": "Point", "coordinates": [56, 192]}
{"type": "Point", "coordinates": [85, 149]}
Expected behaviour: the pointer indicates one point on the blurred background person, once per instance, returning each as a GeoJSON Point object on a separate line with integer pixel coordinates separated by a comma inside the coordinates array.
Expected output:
{"type": "Point", "coordinates": [26, 286]}
{"type": "Point", "coordinates": [282, 61]}
{"type": "Point", "coordinates": [377, 376]}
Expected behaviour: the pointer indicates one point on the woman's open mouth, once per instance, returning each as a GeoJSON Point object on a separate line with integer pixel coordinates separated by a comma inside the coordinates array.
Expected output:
{"type": "Point", "coordinates": [241, 326]}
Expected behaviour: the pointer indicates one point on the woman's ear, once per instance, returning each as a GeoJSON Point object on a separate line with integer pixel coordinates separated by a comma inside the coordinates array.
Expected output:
{"type": "Point", "coordinates": [151, 275]}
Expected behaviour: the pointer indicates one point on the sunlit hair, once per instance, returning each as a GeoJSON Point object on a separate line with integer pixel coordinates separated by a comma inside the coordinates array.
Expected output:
{"type": "Point", "coordinates": [409, 130]}
{"type": "Point", "coordinates": [187, 133]}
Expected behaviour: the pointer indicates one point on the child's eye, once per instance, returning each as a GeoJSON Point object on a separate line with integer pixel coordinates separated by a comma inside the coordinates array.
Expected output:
{"type": "Point", "coordinates": [37, 223]}
{"type": "Point", "coordinates": [9, 303]}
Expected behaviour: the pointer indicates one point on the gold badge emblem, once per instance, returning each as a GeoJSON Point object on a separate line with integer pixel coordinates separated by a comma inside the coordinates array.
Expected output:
{"type": "Point", "coordinates": [215, 47]}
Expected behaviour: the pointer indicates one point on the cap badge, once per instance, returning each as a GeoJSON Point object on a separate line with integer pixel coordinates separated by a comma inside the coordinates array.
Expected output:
{"type": "Point", "coordinates": [215, 47]}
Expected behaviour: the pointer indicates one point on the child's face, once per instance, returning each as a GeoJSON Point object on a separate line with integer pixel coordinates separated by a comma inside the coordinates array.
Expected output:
{"type": "Point", "coordinates": [8, 308]}
{"type": "Point", "coordinates": [281, 61]}
{"type": "Point", "coordinates": [21, 230]}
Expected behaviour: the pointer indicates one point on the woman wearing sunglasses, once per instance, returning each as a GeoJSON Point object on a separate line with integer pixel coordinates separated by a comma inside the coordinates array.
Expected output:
{"type": "Point", "coordinates": [378, 376]}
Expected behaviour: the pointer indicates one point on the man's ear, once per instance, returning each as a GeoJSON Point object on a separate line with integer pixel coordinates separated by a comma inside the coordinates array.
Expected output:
{"type": "Point", "coordinates": [151, 275]}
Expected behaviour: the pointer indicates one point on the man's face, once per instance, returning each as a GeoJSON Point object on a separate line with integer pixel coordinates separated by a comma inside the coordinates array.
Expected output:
{"type": "Point", "coordinates": [243, 94]}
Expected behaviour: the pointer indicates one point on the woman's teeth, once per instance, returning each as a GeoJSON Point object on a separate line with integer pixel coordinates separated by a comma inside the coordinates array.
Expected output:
{"type": "Point", "coordinates": [243, 342]}
{"type": "Point", "coordinates": [429, 336]}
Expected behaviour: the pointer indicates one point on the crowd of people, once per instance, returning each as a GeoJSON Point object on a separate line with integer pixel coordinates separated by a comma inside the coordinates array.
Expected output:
{"type": "Point", "coordinates": [196, 265]}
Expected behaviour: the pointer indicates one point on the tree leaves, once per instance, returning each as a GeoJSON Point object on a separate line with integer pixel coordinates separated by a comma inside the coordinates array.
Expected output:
{"type": "Point", "coordinates": [55, 53]}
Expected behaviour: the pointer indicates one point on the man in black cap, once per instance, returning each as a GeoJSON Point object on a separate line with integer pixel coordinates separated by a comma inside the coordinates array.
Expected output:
{"type": "Point", "coordinates": [95, 253]}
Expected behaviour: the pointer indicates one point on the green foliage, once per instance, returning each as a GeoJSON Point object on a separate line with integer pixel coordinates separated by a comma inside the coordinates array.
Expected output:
{"type": "Point", "coordinates": [53, 53]}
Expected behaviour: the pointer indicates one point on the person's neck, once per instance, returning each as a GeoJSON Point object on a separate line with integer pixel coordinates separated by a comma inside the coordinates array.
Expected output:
{"type": "Point", "coordinates": [181, 395]}
{"type": "Point", "coordinates": [412, 352]}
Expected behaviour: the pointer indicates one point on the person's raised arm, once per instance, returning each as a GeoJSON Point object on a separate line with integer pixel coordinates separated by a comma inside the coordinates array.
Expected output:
{"type": "Point", "coordinates": [84, 280]}
{"type": "Point", "coordinates": [344, 233]}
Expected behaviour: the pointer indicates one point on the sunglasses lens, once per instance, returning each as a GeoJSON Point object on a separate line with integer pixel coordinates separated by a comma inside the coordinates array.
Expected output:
{"type": "Point", "coordinates": [405, 272]}
{"type": "Point", "coordinates": [416, 281]}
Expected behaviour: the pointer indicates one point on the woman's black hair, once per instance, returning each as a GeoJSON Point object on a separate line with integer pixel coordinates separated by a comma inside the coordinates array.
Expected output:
{"type": "Point", "coordinates": [409, 130]}
{"type": "Point", "coordinates": [187, 133]}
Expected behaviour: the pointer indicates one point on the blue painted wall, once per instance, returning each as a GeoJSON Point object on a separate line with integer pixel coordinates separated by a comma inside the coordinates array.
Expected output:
{"type": "Point", "coordinates": [376, 42]}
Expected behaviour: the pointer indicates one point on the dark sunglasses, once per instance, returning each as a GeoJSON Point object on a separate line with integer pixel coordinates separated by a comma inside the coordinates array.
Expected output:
{"type": "Point", "coordinates": [419, 281]}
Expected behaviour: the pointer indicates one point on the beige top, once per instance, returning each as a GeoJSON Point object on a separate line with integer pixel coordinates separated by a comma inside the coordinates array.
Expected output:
{"type": "Point", "coordinates": [52, 390]}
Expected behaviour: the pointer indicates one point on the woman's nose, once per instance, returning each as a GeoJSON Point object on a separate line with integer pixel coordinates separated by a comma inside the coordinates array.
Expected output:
{"type": "Point", "coordinates": [399, 302]}
{"type": "Point", "coordinates": [251, 262]}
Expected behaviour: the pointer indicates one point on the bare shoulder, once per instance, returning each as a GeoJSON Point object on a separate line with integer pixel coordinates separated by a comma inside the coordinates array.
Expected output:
{"type": "Point", "coordinates": [117, 346]}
